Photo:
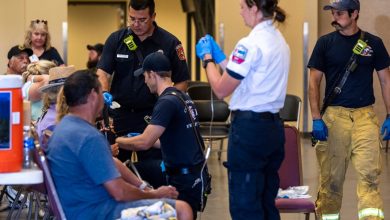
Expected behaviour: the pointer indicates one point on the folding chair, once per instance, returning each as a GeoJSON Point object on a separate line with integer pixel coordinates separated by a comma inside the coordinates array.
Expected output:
{"type": "Point", "coordinates": [291, 109]}
{"type": "Point", "coordinates": [290, 174]}
{"type": "Point", "coordinates": [54, 202]}
{"type": "Point", "coordinates": [213, 118]}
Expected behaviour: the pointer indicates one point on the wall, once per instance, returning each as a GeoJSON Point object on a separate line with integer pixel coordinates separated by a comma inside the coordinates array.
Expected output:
{"type": "Point", "coordinates": [89, 24]}
{"type": "Point", "coordinates": [16, 15]}
{"type": "Point", "coordinates": [374, 18]}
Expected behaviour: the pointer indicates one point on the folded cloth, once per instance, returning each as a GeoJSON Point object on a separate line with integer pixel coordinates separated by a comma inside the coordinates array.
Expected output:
{"type": "Point", "coordinates": [157, 211]}
{"type": "Point", "coordinates": [294, 192]}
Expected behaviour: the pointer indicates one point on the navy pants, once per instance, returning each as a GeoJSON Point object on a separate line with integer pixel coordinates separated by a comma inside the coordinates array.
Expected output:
{"type": "Point", "coordinates": [255, 153]}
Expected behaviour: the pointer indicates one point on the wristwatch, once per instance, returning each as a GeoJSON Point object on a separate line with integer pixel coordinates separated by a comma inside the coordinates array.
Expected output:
{"type": "Point", "coordinates": [207, 61]}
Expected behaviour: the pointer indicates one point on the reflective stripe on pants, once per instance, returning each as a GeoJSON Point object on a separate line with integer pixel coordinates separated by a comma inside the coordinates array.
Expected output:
{"type": "Point", "coordinates": [353, 135]}
{"type": "Point", "coordinates": [372, 213]}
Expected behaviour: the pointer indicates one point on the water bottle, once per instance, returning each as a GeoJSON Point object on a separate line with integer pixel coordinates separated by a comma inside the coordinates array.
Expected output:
{"type": "Point", "coordinates": [28, 148]}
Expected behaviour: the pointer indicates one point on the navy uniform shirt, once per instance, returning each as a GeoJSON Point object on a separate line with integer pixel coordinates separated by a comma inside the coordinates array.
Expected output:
{"type": "Point", "coordinates": [330, 56]}
{"type": "Point", "coordinates": [179, 145]}
{"type": "Point", "coordinates": [129, 91]}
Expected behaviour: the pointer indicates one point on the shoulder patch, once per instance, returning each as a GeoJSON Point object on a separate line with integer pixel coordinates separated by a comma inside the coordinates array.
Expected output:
{"type": "Point", "coordinates": [180, 52]}
{"type": "Point", "coordinates": [239, 54]}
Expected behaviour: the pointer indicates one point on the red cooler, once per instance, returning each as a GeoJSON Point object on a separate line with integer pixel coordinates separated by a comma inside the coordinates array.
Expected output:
{"type": "Point", "coordinates": [11, 123]}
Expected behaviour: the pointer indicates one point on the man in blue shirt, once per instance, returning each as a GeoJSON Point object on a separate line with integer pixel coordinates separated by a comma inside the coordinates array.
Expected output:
{"type": "Point", "coordinates": [87, 181]}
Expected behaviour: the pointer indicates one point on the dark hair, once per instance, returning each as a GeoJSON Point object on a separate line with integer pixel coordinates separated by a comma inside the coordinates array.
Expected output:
{"type": "Point", "coordinates": [78, 86]}
{"type": "Point", "coordinates": [350, 11]}
{"type": "Point", "coordinates": [143, 4]}
{"type": "Point", "coordinates": [269, 8]}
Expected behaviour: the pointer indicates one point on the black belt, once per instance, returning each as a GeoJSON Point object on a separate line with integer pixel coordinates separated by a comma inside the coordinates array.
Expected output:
{"type": "Point", "coordinates": [251, 114]}
{"type": "Point", "coordinates": [173, 171]}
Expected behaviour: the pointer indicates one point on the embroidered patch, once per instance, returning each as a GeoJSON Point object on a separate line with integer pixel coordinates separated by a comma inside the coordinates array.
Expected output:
{"type": "Point", "coordinates": [239, 54]}
{"type": "Point", "coordinates": [180, 52]}
{"type": "Point", "coordinates": [367, 52]}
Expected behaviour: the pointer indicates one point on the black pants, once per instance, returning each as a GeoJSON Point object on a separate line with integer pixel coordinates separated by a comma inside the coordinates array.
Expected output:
{"type": "Point", "coordinates": [189, 187]}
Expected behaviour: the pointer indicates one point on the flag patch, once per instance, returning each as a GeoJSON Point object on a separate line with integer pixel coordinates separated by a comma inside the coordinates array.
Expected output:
{"type": "Point", "coordinates": [180, 52]}
{"type": "Point", "coordinates": [239, 54]}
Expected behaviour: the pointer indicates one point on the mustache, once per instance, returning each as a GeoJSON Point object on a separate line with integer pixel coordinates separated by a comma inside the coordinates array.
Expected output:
{"type": "Point", "coordinates": [336, 25]}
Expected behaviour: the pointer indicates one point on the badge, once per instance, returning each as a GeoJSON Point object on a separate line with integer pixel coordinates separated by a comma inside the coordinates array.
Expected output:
{"type": "Point", "coordinates": [239, 54]}
{"type": "Point", "coordinates": [180, 52]}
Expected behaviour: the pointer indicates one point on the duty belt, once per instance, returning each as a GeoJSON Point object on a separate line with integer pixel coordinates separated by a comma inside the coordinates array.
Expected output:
{"type": "Point", "coordinates": [252, 115]}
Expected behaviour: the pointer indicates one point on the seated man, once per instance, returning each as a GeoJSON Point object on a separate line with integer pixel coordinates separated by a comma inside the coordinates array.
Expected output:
{"type": "Point", "coordinates": [88, 183]}
{"type": "Point", "coordinates": [175, 122]}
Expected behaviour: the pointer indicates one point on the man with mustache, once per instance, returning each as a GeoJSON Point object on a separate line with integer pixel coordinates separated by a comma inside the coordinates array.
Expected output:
{"type": "Point", "coordinates": [348, 128]}
{"type": "Point", "coordinates": [18, 59]}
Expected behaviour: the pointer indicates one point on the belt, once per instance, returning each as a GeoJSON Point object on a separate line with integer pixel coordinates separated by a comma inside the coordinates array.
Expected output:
{"type": "Point", "coordinates": [260, 115]}
{"type": "Point", "coordinates": [173, 171]}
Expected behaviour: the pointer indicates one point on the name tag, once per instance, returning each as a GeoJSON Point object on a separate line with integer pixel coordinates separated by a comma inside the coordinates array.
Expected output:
{"type": "Point", "coordinates": [122, 56]}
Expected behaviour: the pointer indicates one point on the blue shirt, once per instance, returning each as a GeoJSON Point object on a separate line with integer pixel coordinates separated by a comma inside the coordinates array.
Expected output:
{"type": "Point", "coordinates": [80, 161]}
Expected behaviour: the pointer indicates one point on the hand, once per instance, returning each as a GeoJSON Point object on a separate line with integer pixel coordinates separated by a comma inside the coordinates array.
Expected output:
{"type": "Point", "coordinates": [115, 149]}
{"type": "Point", "coordinates": [107, 98]}
{"type": "Point", "coordinates": [320, 131]}
{"type": "Point", "coordinates": [385, 131]}
{"type": "Point", "coordinates": [203, 47]}
{"type": "Point", "coordinates": [166, 192]}
{"type": "Point", "coordinates": [216, 52]}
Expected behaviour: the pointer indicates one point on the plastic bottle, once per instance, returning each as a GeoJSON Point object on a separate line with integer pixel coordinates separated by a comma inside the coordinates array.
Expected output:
{"type": "Point", "coordinates": [28, 148]}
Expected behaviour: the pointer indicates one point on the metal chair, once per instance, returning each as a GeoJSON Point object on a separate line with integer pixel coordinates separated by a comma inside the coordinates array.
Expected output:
{"type": "Point", "coordinates": [291, 110]}
{"type": "Point", "coordinates": [213, 118]}
{"type": "Point", "coordinates": [290, 174]}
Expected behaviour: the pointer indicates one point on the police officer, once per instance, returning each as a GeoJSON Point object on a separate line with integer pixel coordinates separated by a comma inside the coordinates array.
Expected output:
{"type": "Point", "coordinates": [123, 53]}
{"type": "Point", "coordinates": [256, 74]}
{"type": "Point", "coordinates": [181, 143]}
{"type": "Point", "coordinates": [349, 128]}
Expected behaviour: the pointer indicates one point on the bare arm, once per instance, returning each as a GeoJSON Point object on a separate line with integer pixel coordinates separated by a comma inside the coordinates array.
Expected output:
{"type": "Point", "coordinates": [222, 85]}
{"type": "Point", "coordinates": [126, 174]}
{"type": "Point", "coordinates": [39, 80]}
{"type": "Point", "coordinates": [122, 191]}
{"type": "Point", "coordinates": [143, 141]}
{"type": "Point", "coordinates": [103, 79]}
{"type": "Point", "coordinates": [314, 92]}
{"type": "Point", "coordinates": [182, 86]}
{"type": "Point", "coordinates": [384, 78]}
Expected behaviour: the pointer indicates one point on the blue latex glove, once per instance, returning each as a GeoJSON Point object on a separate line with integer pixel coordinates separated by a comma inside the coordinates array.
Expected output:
{"type": "Point", "coordinates": [203, 47]}
{"type": "Point", "coordinates": [320, 131]}
{"type": "Point", "coordinates": [385, 131]}
{"type": "Point", "coordinates": [216, 52]}
{"type": "Point", "coordinates": [107, 98]}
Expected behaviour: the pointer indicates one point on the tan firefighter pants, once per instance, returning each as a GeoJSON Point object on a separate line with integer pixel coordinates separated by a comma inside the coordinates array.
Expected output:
{"type": "Point", "coordinates": [353, 135]}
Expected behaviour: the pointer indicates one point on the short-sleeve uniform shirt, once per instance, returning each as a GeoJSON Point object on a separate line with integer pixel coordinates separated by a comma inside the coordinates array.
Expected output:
{"type": "Point", "coordinates": [261, 61]}
{"type": "Point", "coordinates": [118, 59]}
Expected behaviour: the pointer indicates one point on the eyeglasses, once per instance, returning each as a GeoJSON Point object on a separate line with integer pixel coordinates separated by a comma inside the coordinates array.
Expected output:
{"type": "Point", "coordinates": [37, 21]}
{"type": "Point", "coordinates": [140, 21]}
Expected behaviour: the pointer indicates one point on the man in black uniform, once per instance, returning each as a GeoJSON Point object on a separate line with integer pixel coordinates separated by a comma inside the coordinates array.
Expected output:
{"type": "Point", "coordinates": [175, 122]}
{"type": "Point", "coordinates": [123, 53]}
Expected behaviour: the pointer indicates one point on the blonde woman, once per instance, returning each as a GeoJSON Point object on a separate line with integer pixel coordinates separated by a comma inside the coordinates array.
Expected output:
{"type": "Point", "coordinates": [50, 91]}
{"type": "Point", "coordinates": [35, 77]}
{"type": "Point", "coordinates": [38, 39]}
